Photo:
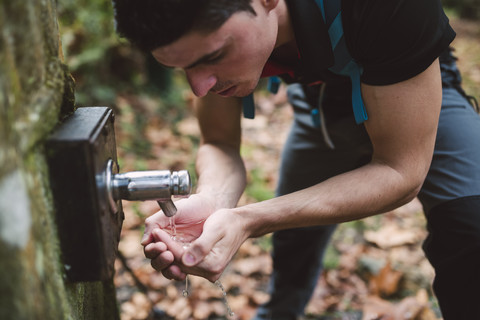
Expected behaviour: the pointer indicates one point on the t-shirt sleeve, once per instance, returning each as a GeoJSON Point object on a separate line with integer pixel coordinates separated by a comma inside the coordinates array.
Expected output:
{"type": "Point", "coordinates": [394, 40]}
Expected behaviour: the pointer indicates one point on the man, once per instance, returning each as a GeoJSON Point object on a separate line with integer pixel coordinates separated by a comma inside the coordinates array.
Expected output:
{"type": "Point", "coordinates": [339, 172]}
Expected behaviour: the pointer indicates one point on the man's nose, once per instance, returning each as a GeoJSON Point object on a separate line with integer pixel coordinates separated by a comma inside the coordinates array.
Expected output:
{"type": "Point", "coordinates": [200, 82]}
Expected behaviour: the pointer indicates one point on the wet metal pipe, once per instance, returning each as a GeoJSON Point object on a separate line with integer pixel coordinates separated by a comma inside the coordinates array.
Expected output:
{"type": "Point", "coordinates": [157, 185]}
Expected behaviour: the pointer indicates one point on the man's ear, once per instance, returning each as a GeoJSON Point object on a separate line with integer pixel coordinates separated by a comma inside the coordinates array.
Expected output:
{"type": "Point", "coordinates": [270, 4]}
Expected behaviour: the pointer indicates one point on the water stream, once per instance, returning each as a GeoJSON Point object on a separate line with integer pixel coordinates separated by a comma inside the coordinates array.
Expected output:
{"type": "Point", "coordinates": [186, 244]}
{"type": "Point", "coordinates": [230, 313]}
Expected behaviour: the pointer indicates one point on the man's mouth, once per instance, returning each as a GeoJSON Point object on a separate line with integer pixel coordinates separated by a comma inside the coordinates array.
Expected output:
{"type": "Point", "coordinates": [227, 92]}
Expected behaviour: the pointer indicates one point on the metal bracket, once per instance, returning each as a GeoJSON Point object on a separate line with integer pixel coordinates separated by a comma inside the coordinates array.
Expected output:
{"type": "Point", "coordinates": [88, 189]}
{"type": "Point", "coordinates": [89, 230]}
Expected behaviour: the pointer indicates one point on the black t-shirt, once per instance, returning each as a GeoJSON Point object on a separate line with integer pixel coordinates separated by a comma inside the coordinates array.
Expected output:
{"type": "Point", "coordinates": [393, 40]}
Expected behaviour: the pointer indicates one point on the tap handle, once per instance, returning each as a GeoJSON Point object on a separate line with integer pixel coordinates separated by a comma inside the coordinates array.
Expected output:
{"type": "Point", "coordinates": [181, 183]}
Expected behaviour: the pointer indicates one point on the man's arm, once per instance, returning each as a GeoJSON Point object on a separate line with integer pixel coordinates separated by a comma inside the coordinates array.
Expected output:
{"type": "Point", "coordinates": [220, 168]}
{"type": "Point", "coordinates": [221, 181]}
{"type": "Point", "coordinates": [402, 126]}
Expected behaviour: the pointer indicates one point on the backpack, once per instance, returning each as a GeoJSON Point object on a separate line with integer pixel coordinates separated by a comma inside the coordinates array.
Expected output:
{"type": "Point", "coordinates": [343, 65]}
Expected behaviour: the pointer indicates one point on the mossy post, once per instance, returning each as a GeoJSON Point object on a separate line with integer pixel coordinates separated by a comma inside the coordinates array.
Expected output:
{"type": "Point", "coordinates": [36, 92]}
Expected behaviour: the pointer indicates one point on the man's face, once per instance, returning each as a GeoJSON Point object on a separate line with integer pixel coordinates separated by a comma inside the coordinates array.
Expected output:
{"type": "Point", "coordinates": [228, 61]}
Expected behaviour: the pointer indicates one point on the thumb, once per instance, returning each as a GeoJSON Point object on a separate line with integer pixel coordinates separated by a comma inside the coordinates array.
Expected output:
{"type": "Point", "coordinates": [194, 254]}
{"type": "Point", "coordinates": [200, 248]}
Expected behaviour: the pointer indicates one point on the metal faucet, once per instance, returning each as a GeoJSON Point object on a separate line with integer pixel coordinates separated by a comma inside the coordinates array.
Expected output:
{"type": "Point", "coordinates": [158, 185]}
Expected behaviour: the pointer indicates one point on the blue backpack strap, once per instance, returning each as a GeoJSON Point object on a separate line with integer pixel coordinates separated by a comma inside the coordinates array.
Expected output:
{"type": "Point", "coordinates": [248, 106]}
{"type": "Point", "coordinates": [273, 84]}
{"type": "Point", "coordinates": [359, 111]}
{"type": "Point", "coordinates": [344, 63]}
{"type": "Point", "coordinates": [248, 102]}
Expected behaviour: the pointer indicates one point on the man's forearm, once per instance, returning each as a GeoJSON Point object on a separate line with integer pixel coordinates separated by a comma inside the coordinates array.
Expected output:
{"type": "Point", "coordinates": [369, 190]}
{"type": "Point", "coordinates": [221, 174]}
{"type": "Point", "coordinates": [402, 126]}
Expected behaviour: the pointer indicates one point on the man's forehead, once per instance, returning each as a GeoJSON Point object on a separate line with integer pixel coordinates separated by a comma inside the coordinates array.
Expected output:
{"type": "Point", "coordinates": [198, 45]}
{"type": "Point", "coordinates": [190, 49]}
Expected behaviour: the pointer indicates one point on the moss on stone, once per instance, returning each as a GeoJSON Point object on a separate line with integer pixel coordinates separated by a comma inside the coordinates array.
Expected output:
{"type": "Point", "coordinates": [36, 91]}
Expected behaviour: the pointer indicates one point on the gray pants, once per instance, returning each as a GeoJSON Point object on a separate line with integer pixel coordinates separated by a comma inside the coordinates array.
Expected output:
{"type": "Point", "coordinates": [450, 196]}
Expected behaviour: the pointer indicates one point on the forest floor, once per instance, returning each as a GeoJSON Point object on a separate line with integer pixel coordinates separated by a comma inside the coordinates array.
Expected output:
{"type": "Point", "coordinates": [374, 268]}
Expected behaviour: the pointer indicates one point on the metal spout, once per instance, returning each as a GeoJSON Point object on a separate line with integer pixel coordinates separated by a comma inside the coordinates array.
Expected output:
{"type": "Point", "coordinates": [157, 185]}
{"type": "Point", "coordinates": [168, 207]}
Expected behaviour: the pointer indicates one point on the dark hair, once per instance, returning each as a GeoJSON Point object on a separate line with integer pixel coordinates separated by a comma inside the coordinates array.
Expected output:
{"type": "Point", "coordinates": [150, 24]}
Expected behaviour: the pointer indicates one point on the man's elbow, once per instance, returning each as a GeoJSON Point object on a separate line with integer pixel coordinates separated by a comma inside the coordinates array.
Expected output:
{"type": "Point", "coordinates": [408, 182]}
{"type": "Point", "coordinates": [414, 192]}
{"type": "Point", "coordinates": [413, 187]}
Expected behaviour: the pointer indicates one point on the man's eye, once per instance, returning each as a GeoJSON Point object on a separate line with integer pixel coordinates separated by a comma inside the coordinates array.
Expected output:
{"type": "Point", "coordinates": [215, 59]}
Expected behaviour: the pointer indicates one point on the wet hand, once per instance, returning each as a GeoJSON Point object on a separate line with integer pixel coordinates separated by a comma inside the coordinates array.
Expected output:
{"type": "Point", "coordinates": [207, 256]}
{"type": "Point", "coordinates": [161, 254]}
{"type": "Point", "coordinates": [191, 213]}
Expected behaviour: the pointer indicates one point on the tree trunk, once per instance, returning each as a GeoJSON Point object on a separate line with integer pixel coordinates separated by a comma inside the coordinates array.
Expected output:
{"type": "Point", "coordinates": [35, 93]}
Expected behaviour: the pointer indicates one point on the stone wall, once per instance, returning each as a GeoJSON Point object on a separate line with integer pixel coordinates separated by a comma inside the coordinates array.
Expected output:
{"type": "Point", "coordinates": [35, 94]}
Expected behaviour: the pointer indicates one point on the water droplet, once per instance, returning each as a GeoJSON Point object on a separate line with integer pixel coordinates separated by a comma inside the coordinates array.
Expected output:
{"type": "Point", "coordinates": [173, 227]}
{"type": "Point", "coordinates": [185, 291]}
{"type": "Point", "coordinates": [230, 313]}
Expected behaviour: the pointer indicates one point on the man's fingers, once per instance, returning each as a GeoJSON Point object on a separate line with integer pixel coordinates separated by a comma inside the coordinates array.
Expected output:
{"type": "Point", "coordinates": [174, 273]}
{"type": "Point", "coordinates": [173, 246]}
{"type": "Point", "coordinates": [149, 226]}
{"type": "Point", "coordinates": [146, 239]}
{"type": "Point", "coordinates": [162, 261]}
{"type": "Point", "coordinates": [152, 250]}
{"type": "Point", "coordinates": [157, 220]}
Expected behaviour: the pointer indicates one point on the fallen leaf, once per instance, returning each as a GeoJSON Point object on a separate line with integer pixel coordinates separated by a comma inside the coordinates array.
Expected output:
{"type": "Point", "coordinates": [391, 236]}
{"type": "Point", "coordinates": [202, 310]}
{"type": "Point", "coordinates": [376, 308]}
{"type": "Point", "coordinates": [386, 282]}
{"type": "Point", "coordinates": [249, 266]}
{"type": "Point", "coordinates": [408, 309]}
{"type": "Point", "coordinates": [130, 243]}
{"type": "Point", "coordinates": [179, 309]}
{"type": "Point", "coordinates": [259, 297]}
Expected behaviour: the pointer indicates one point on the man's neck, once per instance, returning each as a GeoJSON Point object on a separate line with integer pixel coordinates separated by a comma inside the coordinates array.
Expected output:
{"type": "Point", "coordinates": [285, 29]}
{"type": "Point", "coordinates": [285, 46]}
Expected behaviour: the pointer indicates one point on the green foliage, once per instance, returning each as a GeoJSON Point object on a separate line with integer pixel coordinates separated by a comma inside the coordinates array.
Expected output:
{"type": "Point", "coordinates": [257, 187]}
{"type": "Point", "coordinates": [264, 242]}
{"type": "Point", "coordinates": [331, 260]}
{"type": "Point", "coordinates": [102, 64]}
{"type": "Point", "coordinates": [87, 32]}
{"type": "Point", "coordinates": [464, 8]}
{"type": "Point", "coordinates": [132, 125]}
{"type": "Point", "coordinates": [106, 67]}
{"type": "Point", "coordinates": [173, 107]}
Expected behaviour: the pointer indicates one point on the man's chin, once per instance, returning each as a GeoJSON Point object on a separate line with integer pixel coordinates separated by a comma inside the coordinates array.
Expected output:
{"type": "Point", "coordinates": [245, 92]}
{"type": "Point", "coordinates": [240, 90]}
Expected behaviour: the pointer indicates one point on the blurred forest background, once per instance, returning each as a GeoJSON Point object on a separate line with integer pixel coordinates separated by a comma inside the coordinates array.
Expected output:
{"type": "Point", "coordinates": [374, 268]}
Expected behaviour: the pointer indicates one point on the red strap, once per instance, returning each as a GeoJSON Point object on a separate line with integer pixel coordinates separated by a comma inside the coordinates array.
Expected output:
{"type": "Point", "coordinates": [272, 68]}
